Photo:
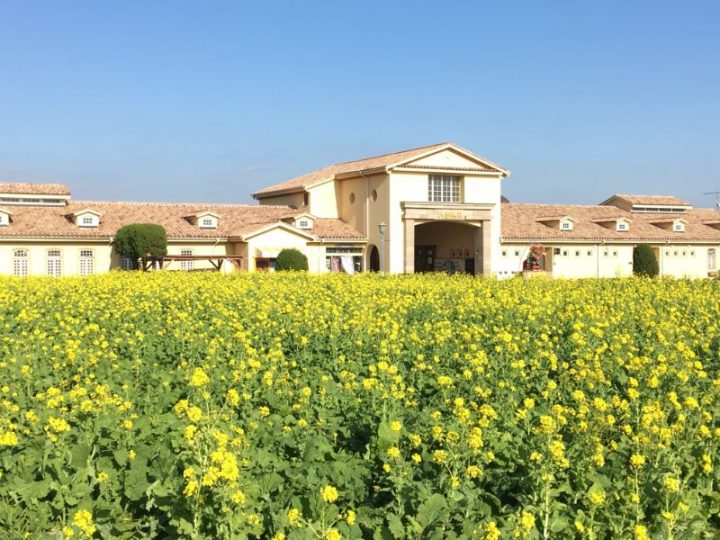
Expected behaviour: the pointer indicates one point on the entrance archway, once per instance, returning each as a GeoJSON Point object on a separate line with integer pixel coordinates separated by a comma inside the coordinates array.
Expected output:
{"type": "Point", "coordinates": [447, 246]}
{"type": "Point", "coordinates": [373, 259]}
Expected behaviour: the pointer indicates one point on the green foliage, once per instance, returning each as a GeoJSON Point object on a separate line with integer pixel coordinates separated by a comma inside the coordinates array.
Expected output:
{"type": "Point", "coordinates": [644, 261]}
{"type": "Point", "coordinates": [291, 259]}
{"type": "Point", "coordinates": [141, 241]}
{"type": "Point", "coordinates": [175, 405]}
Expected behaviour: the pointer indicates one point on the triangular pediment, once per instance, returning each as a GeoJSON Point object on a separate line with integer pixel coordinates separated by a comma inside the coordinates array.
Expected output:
{"type": "Point", "coordinates": [451, 158]}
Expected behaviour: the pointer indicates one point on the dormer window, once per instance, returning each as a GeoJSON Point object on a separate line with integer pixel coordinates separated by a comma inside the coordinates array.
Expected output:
{"type": "Point", "coordinates": [206, 220]}
{"type": "Point", "coordinates": [622, 226]}
{"type": "Point", "coordinates": [566, 225]}
{"type": "Point", "coordinates": [4, 217]}
{"type": "Point", "coordinates": [87, 218]}
{"type": "Point", "coordinates": [304, 221]}
{"type": "Point", "coordinates": [678, 226]}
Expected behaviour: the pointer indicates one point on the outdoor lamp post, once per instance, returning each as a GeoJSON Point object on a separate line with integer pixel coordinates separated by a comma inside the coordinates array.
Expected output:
{"type": "Point", "coordinates": [382, 228]}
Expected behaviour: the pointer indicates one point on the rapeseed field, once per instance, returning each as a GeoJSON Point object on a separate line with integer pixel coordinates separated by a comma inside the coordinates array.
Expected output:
{"type": "Point", "coordinates": [167, 405]}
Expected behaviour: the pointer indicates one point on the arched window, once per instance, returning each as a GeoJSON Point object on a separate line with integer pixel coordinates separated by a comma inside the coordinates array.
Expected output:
{"type": "Point", "coordinates": [54, 262]}
{"type": "Point", "coordinates": [21, 262]}
{"type": "Point", "coordinates": [374, 259]}
{"type": "Point", "coordinates": [87, 262]}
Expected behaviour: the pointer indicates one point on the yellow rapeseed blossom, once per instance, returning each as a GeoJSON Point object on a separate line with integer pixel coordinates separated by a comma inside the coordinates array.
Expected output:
{"type": "Point", "coordinates": [329, 494]}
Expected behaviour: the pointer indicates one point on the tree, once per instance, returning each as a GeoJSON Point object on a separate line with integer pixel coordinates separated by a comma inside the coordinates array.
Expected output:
{"type": "Point", "coordinates": [644, 261]}
{"type": "Point", "coordinates": [141, 241]}
{"type": "Point", "coordinates": [291, 259]}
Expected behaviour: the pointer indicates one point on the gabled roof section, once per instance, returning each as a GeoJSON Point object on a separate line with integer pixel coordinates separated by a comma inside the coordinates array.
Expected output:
{"type": "Point", "coordinates": [638, 202]}
{"type": "Point", "coordinates": [251, 231]}
{"type": "Point", "coordinates": [551, 219]}
{"type": "Point", "coordinates": [20, 188]}
{"type": "Point", "coordinates": [373, 164]}
{"type": "Point", "coordinates": [86, 211]}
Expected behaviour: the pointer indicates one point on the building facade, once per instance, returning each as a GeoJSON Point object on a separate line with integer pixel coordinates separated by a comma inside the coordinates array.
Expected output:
{"type": "Point", "coordinates": [435, 208]}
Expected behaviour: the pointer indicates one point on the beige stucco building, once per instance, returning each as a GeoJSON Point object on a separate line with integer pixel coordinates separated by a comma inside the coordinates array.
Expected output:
{"type": "Point", "coordinates": [435, 208]}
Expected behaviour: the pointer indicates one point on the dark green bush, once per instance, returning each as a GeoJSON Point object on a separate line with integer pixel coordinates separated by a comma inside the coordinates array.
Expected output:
{"type": "Point", "coordinates": [291, 259]}
{"type": "Point", "coordinates": [644, 261]}
{"type": "Point", "coordinates": [141, 241]}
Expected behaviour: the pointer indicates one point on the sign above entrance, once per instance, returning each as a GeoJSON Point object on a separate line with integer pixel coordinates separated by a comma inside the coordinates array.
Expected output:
{"type": "Point", "coordinates": [446, 211]}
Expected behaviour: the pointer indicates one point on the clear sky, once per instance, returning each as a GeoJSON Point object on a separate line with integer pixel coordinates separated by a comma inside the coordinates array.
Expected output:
{"type": "Point", "coordinates": [209, 101]}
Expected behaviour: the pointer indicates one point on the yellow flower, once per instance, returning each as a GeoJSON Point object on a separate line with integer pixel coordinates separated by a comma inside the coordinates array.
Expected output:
{"type": "Point", "coordinates": [191, 488]}
{"type": "Point", "coordinates": [393, 452]}
{"type": "Point", "coordinates": [417, 458]}
{"type": "Point", "coordinates": [640, 532]}
{"type": "Point", "coordinates": [527, 521]}
{"type": "Point", "coordinates": [293, 516]}
{"type": "Point", "coordinates": [233, 397]}
{"type": "Point", "coordinates": [83, 519]}
{"type": "Point", "coordinates": [68, 532]}
{"type": "Point", "coordinates": [333, 534]}
{"type": "Point", "coordinates": [194, 414]}
{"type": "Point", "coordinates": [671, 484]}
{"type": "Point", "coordinates": [329, 494]}
{"type": "Point", "coordinates": [473, 471]}
{"type": "Point", "coordinates": [597, 497]}
{"type": "Point", "coordinates": [238, 497]}
{"type": "Point", "coordinates": [491, 531]}
{"type": "Point", "coordinates": [199, 378]}
{"type": "Point", "coordinates": [350, 517]}
{"type": "Point", "coordinates": [637, 461]}
{"type": "Point", "coordinates": [9, 438]}
{"type": "Point", "coordinates": [102, 477]}
{"type": "Point", "coordinates": [439, 456]}
{"type": "Point", "coordinates": [396, 426]}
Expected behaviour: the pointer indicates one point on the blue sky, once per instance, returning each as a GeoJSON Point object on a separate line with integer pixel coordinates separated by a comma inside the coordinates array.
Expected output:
{"type": "Point", "coordinates": [208, 101]}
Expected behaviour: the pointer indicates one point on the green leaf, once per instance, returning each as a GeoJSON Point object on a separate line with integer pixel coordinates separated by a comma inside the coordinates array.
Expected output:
{"type": "Point", "coordinates": [395, 525]}
{"type": "Point", "coordinates": [431, 510]}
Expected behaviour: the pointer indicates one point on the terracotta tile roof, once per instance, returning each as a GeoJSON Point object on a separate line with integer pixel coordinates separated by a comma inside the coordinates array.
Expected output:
{"type": "Point", "coordinates": [335, 229]}
{"type": "Point", "coordinates": [647, 200]}
{"type": "Point", "coordinates": [57, 222]}
{"type": "Point", "coordinates": [366, 164]}
{"type": "Point", "coordinates": [519, 222]}
{"type": "Point", "coordinates": [18, 188]}
{"type": "Point", "coordinates": [235, 220]}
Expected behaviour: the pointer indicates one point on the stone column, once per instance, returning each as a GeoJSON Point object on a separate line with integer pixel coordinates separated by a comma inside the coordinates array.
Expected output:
{"type": "Point", "coordinates": [486, 247]}
{"type": "Point", "coordinates": [478, 248]}
{"type": "Point", "coordinates": [409, 246]}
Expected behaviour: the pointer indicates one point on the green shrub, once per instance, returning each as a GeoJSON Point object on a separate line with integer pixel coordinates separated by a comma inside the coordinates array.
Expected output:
{"type": "Point", "coordinates": [291, 259]}
{"type": "Point", "coordinates": [141, 241]}
{"type": "Point", "coordinates": [644, 261]}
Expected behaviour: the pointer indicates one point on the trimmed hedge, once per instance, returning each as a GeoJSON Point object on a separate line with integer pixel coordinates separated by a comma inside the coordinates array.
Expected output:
{"type": "Point", "coordinates": [644, 261]}
{"type": "Point", "coordinates": [291, 259]}
{"type": "Point", "coordinates": [146, 241]}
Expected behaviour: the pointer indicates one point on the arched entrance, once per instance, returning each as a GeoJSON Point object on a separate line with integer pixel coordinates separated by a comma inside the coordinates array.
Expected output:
{"type": "Point", "coordinates": [373, 259]}
{"type": "Point", "coordinates": [447, 246]}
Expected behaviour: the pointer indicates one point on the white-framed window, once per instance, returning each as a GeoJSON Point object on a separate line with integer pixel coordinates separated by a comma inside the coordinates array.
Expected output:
{"type": "Point", "coordinates": [87, 262]}
{"type": "Point", "coordinates": [87, 220]}
{"type": "Point", "coordinates": [208, 222]}
{"type": "Point", "coordinates": [678, 226]}
{"type": "Point", "coordinates": [21, 262]}
{"type": "Point", "coordinates": [577, 253]}
{"type": "Point", "coordinates": [622, 226]}
{"type": "Point", "coordinates": [186, 265]}
{"type": "Point", "coordinates": [304, 224]}
{"type": "Point", "coordinates": [126, 263]}
{"type": "Point", "coordinates": [54, 262]}
{"type": "Point", "coordinates": [443, 188]}
{"type": "Point", "coordinates": [711, 259]}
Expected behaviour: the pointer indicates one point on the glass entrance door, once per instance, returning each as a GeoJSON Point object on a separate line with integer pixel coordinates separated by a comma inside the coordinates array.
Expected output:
{"type": "Point", "coordinates": [425, 258]}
